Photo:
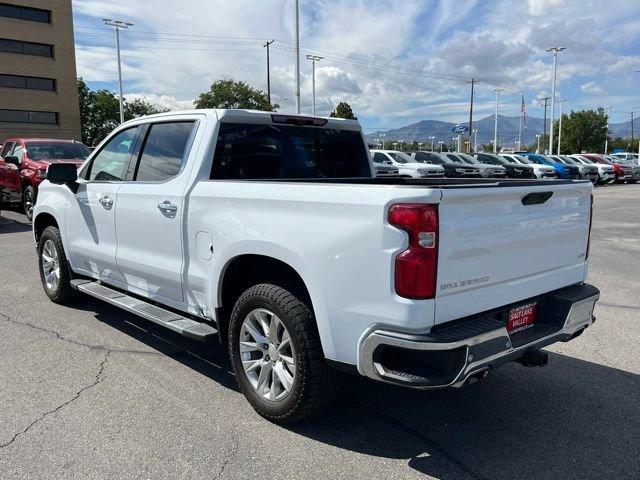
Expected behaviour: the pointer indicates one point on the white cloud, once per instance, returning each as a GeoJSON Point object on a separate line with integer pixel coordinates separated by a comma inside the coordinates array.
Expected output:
{"type": "Point", "coordinates": [165, 102]}
{"type": "Point", "coordinates": [592, 88]}
{"type": "Point", "coordinates": [540, 7]}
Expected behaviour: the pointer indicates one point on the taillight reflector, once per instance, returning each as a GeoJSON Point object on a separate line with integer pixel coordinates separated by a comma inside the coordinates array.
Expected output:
{"type": "Point", "coordinates": [416, 267]}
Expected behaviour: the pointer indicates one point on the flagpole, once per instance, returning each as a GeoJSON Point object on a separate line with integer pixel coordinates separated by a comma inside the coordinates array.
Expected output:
{"type": "Point", "coordinates": [520, 133]}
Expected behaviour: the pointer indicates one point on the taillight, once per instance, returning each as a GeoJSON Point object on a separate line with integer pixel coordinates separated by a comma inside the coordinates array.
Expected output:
{"type": "Point", "coordinates": [416, 267]}
{"type": "Point", "coordinates": [590, 222]}
{"type": "Point", "coordinates": [618, 169]}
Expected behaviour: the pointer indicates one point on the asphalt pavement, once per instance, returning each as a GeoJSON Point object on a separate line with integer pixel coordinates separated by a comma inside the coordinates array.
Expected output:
{"type": "Point", "coordinates": [89, 391]}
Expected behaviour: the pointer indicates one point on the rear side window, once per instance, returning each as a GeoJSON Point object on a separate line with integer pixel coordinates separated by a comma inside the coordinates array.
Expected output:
{"type": "Point", "coordinates": [6, 149]}
{"type": "Point", "coordinates": [254, 152]}
{"type": "Point", "coordinates": [164, 151]}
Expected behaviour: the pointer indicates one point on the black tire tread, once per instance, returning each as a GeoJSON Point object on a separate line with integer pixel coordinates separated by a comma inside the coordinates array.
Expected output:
{"type": "Point", "coordinates": [320, 384]}
{"type": "Point", "coordinates": [65, 292]}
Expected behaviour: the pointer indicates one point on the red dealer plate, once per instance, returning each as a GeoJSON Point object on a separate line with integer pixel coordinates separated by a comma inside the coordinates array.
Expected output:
{"type": "Point", "coordinates": [521, 318]}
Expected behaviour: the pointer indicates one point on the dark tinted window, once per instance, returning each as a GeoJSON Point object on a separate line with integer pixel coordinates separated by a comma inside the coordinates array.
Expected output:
{"type": "Point", "coordinates": [37, 83]}
{"type": "Point", "coordinates": [164, 151]}
{"type": "Point", "coordinates": [379, 157]}
{"type": "Point", "coordinates": [488, 159]}
{"type": "Point", "coordinates": [26, 48]}
{"type": "Point", "coordinates": [424, 157]}
{"type": "Point", "coordinates": [109, 164]}
{"type": "Point", "coordinates": [267, 151]}
{"type": "Point", "coordinates": [6, 148]}
{"type": "Point", "coordinates": [25, 13]}
{"type": "Point", "coordinates": [57, 151]}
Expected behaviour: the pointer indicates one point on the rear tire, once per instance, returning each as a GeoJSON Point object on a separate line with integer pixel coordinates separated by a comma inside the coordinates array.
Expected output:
{"type": "Point", "coordinates": [55, 273]}
{"type": "Point", "coordinates": [280, 369]}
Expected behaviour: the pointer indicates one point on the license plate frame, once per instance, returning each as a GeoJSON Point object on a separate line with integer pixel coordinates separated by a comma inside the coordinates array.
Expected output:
{"type": "Point", "coordinates": [522, 317]}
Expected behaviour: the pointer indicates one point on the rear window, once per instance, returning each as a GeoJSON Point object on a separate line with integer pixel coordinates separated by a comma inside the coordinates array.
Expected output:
{"type": "Point", "coordinates": [258, 152]}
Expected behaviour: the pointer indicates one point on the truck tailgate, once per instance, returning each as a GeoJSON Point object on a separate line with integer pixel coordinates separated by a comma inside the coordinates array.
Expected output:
{"type": "Point", "coordinates": [498, 248]}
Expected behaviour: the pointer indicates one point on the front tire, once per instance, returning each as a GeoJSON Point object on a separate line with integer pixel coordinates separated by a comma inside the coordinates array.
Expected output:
{"type": "Point", "coordinates": [28, 201]}
{"type": "Point", "coordinates": [275, 352]}
{"type": "Point", "coordinates": [54, 268]}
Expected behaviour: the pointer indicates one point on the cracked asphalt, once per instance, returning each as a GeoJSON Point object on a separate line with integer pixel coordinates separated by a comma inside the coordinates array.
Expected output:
{"type": "Point", "coordinates": [88, 391]}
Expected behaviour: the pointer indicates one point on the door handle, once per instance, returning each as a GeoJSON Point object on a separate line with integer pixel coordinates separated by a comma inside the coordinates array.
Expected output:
{"type": "Point", "coordinates": [106, 201]}
{"type": "Point", "coordinates": [168, 207]}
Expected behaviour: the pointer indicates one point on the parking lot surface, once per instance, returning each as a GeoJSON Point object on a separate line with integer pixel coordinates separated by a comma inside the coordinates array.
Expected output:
{"type": "Point", "coordinates": [89, 391]}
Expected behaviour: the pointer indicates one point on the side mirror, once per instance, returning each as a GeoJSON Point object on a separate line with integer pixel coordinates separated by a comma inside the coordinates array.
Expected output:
{"type": "Point", "coordinates": [62, 173]}
{"type": "Point", "coordinates": [12, 160]}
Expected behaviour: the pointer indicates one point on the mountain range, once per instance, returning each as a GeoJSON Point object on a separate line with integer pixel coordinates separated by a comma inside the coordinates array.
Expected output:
{"type": "Point", "coordinates": [507, 130]}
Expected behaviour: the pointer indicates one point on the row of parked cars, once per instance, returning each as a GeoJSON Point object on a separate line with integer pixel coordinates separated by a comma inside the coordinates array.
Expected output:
{"type": "Point", "coordinates": [599, 169]}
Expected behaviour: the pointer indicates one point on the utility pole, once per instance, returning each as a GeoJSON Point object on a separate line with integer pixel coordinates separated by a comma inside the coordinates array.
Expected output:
{"type": "Point", "coordinates": [561, 102]}
{"type": "Point", "coordinates": [555, 51]}
{"type": "Point", "coordinates": [495, 126]}
{"type": "Point", "coordinates": [606, 139]}
{"type": "Point", "coordinates": [297, 51]}
{"type": "Point", "coordinates": [268, 72]}
{"type": "Point", "coordinates": [473, 81]}
{"type": "Point", "coordinates": [314, 59]}
{"type": "Point", "coordinates": [118, 24]}
{"type": "Point", "coordinates": [546, 104]}
{"type": "Point", "coordinates": [632, 114]}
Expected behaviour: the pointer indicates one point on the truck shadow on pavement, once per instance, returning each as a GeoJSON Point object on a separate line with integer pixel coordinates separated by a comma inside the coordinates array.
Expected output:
{"type": "Point", "coordinates": [10, 226]}
{"type": "Point", "coordinates": [572, 419]}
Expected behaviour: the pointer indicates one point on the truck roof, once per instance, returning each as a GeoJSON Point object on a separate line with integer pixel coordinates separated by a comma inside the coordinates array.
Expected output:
{"type": "Point", "coordinates": [240, 115]}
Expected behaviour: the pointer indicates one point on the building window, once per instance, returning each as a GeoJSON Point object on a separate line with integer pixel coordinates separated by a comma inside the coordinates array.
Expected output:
{"type": "Point", "coordinates": [26, 48]}
{"type": "Point", "coordinates": [29, 83]}
{"type": "Point", "coordinates": [27, 116]}
{"type": "Point", "coordinates": [25, 13]}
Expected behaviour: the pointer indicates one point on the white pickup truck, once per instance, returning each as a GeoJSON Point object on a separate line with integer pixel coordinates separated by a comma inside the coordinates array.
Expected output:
{"type": "Point", "coordinates": [268, 231]}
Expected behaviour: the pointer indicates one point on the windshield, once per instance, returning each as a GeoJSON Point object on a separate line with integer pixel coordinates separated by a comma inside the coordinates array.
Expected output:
{"type": "Point", "coordinates": [468, 158]}
{"type": "Point", "coordinates": [401, 157]}
{"type": "Point", "coordinates": [57, 151]}
{"type": "Point", "coordinates": [509, 159]}
{"type": "Point", "coordinates": [525, 160]}
{"type": "Point", "coordinates": [585, 160]}
{"type": "Point", "coordinates": [569, 160]}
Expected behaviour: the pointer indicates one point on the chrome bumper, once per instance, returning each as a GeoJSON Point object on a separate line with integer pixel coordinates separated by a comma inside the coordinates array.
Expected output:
{"type": "Point", "coordinates": [461, 358]}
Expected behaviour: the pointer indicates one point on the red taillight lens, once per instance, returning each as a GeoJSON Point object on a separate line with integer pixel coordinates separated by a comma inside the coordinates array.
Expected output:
{"type": "Point", "coordinates": [416, 267]}
{"type": "Point", "coordinates": [617, 168]}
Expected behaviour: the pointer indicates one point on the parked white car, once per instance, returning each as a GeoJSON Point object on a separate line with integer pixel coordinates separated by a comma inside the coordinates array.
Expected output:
{"type": "Point", "coordinates": [606, 173]}
{"type": "Point", "coordinates": [269, 232]}
{"type": "Point", "coordinates": [627, 156]}
{"type": "Point", "coordinates": [540, 171]}
{"type": "Point", "coordinates": [407, 166]}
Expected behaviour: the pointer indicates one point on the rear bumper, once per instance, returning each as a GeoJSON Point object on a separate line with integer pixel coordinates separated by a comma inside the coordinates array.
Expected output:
{"type": "Point", "coordinates": [457, 352]}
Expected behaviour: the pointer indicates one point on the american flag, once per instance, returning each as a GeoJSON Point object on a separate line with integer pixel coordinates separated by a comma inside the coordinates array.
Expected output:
{"type": "Point", "coordinates": [523, 110]}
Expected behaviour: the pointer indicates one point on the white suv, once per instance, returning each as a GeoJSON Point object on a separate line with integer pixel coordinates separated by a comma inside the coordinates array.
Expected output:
{"type": "Point", "coordinates": [407, 166]}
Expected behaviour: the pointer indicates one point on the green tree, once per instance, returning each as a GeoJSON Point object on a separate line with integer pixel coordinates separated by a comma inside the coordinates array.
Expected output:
{"type": "Point", "coordinates": [232, 94]}
{"type": "Point", "coordinates": [583, 131]}
{"type": "Point", "coordinates": [343, 110]}
{"type": "Point", "coordinates": [100, 112]}
{"type": "Point", "coordinates": [140, 108]}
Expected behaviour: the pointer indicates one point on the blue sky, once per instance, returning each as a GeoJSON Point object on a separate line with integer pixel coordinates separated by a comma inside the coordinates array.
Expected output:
{"type": "Point", "coordinates": [395, 62]}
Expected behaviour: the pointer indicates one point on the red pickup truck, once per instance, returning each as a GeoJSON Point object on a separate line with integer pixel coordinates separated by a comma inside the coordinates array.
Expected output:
{"type": "Point", "coordinates": [23, 164]}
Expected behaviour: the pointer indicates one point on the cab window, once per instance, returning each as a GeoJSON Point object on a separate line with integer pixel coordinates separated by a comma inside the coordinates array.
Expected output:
{"type": "Point", "coordinates": [110, 164]}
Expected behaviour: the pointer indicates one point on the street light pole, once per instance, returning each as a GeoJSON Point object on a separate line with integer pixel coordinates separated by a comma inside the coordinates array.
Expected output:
{"type": "Point", "coordinates": [432, 138]}
{"type": "Point", "coordinates": [475, 140]}
{"type": "Point", "coordinates": [297, 52]}
{"type": "Point", "coordinates": [538, 138]}
{"type": "Point", "coordinates": [118, 24]}
{"type": "Point", "coordinates": [555, 51]}
{"type": "Point", "coordinates": [561, 102]}
{"type": "Point", "coordinates": [314, 59]}
{"type": "Point", "coordinates": [268, 72]}
{"type": "Point", "coordinates": [606, 138]}
{"type": "Point", "coordinates": [544, 129]}
{"type": "Point", "coordinates": [473, 81]}
{"type": "Point", "coordinates": [495, 126]}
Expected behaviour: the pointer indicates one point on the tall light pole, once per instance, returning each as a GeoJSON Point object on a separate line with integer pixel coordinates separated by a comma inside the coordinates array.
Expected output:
{"type": "Point", "coordinates": [440, 143]}
{"type": "Point", "coordinates": [538, 138]}
{"type": "Point", "coordinates": [555, 51]}
{"type": "Point", "coordinates": [475, 140]}
{"type": "Point", "coordinates": [544, 129]}
{"type": "Point", "coordinates": [268, 72]}
{"type": "Point", "coordinates": [432, 138]}
{"type": "Point", "coordinates": [118, 24]}
{"type": "Point", "coordinates": [606, 139]}
{"type": "Point", "coordinates": [297, 52]}
{"type": "Point", "coordinates": [473, 81]}
{"type": "Point", "coordinates": [314, 59]}
{"type": "Point", "coordinates": [561, 102]}
{"type": "Point", "coordinates": [495, 126]}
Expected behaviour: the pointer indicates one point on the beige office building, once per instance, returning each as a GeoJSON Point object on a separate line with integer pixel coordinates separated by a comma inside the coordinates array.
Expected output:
{"type": "Point", "coordinates": [38, 89]}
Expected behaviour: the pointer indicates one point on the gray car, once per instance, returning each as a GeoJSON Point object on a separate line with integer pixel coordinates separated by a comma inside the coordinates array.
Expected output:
{"type": "Point", "coordinates": [629, 162]}
{"type": "Point", "coordinates": [487, 171]}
